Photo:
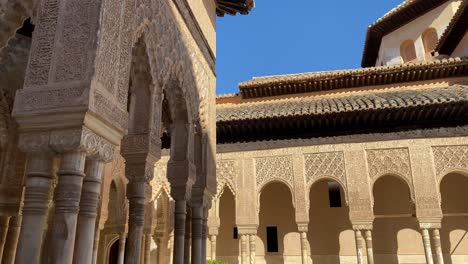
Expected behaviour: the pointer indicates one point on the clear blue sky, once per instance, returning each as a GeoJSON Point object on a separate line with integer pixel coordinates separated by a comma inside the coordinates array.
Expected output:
{"type": "Point", "coordinates": [293, 36]}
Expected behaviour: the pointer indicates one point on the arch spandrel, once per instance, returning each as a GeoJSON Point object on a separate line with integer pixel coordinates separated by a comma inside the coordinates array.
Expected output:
{"type": "Point", "coordinates": [450, 159]}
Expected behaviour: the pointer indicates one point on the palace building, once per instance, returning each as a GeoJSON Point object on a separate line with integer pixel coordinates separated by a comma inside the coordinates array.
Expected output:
{"type": "Point", "coordinates": [115, 148]}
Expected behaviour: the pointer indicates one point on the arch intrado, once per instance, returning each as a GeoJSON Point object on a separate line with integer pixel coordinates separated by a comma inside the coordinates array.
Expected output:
{"type": "Point", "coordinates": [343, 187]}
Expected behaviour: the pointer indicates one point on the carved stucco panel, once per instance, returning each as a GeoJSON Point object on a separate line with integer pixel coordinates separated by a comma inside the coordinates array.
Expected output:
{"type": "Point", "coordinates": [389, 161]}
{"type": "Point", "coordinates": [274, 168]}
{"type": "Point", "coordinates": [226, 173]}
{"type": "Point", "coordinates": [319, 165]}
{"type": "Point", "coordinates": [450, 158]}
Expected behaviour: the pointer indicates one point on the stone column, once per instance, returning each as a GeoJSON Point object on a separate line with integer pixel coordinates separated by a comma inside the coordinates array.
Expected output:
{"type": "Point", "coordinates": [303, 228]}
{"type": "Point", "coordinates": [437, 246]}
{"type": "Point", "coordinates": [427, 245]}
{"type": "Point", "coordinates": [90, 195]}
{"type": "Point", "coordinates": [197, 234]}
{"type": "Point", "coordinates": [252, 249]}
{"type": "Point", "coordinates": [243, 241]}
{"type": "Point", "coordinates": [369, 246]}
{"type": "Point", "coordinates": [142, 249]}
{"type": "Point", "coordinates": [4, 220]}
{"type": "Point", "coordinates": [204, 234]}
{"type": "Point", "coordinates": [11, 244]}
{"type": "Point", "coordinates": [122, 239]}
{"type": "Point", "coordinates": [136, 197]}
{"type": "Point", "coordinates": [97, 235]}
{"type": "Point", "coordinates": [188, 236]}
{"type": "Point", "coordinates": [36, 202]}
{"type": "Point", "coordinates": [179, 231]}
{"type": "Point", "coordinates": [67, 200]}
{"type": "Point", "coordinates": [147, 254]}
{"type": "Point", "coordinates": [359, 253]}
{"type": "Point", "coordinates": [213, 247]}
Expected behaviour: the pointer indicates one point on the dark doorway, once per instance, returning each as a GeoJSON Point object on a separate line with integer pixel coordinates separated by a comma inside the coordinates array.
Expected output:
{"type": "Point", "coordinates": [114, 253]}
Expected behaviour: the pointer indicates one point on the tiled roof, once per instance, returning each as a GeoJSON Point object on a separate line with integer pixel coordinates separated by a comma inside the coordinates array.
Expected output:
{"type": "Point", "coordinates": [232, 7]}
{"type": "Point", "coordinates": [397, 17]}
{"type": "Point", "coordinates": [331, 80]}
{"type": "Point", "coordinates": [455, 31]}
{"type": "Point", "coordinates": [307, 106]}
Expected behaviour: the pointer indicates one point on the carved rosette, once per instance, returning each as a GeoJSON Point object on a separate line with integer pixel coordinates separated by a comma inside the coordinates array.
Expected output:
{"type": "Point", "coordinates": [389, 161]}
{"type": "Point", "coordinates": [274, 168]}
{"type": "Point", "coordinates": [226, 173]}
{"type": "Point", "coordinates": [320, 165]}
{"type": "Point", "coordinates": [449, 159]}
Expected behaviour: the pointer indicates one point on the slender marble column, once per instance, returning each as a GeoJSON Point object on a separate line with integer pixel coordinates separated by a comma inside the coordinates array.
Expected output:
{"type": "Point", "coordinates": [36, 202]}
{"type": "Point", "coordinates": [197, 226]}
{"type": "Point", "coordinates": [204, 236]}
{"type": "Point", "coordinates": [427, 245]}
{"type": "Point", "coordinates": [213, 247]}
{"type": "Point", "coordinates": [243, 241]}
{"type": "Point", "coordinates": [136, 197]}
{"type": "Point", "coordinates": [11, 244]}
{"type": "Point", "coordinates": [90, 194]}
{"type": "Point", "coordinates": [148, 240]}
{"type": "Point", "coordinates": [97, 235]}
{"type": "Point", "coordinates": [67, 202]}
{"type": "Point", "coordinates": [121, 257]}
{"type": "Point", "coordinates": [179, 231]}
{"type": "Point", "coordinates": [304, 247]}
{"type": "Point", "coordinates": [188, 236]}
{"type": "Point", "coordinates": [359, 253]}
{"type": "Point", "coordinates": [143, 247]}
{"type": "Point", "coordinates": [369, 246]}
{"type": "Point", "coordinates": [437, 246]}
{"type": "Point", "coordinates": [252, 249]}
{"type": "Point", "coordinates": [4, 220]}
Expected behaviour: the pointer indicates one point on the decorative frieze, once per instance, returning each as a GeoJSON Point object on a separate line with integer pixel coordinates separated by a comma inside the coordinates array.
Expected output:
{"type": "Point", "coordinates": [226, 175]}
{"type": "Point", "coordinates": [450, 158]}
{"type": "Point", "coordinates": [273, 168]}
{"type": "Point", "coordinates": [389, 161]}
{"type": "Point", "coordinates": [331, 164]}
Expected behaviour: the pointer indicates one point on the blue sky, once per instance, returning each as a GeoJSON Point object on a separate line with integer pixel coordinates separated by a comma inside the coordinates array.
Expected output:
{"type": "Point", "coordinates": [293, 36]}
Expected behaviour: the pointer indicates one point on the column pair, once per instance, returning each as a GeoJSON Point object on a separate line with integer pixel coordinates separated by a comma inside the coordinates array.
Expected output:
{"type": "Point", "coordinates": [360, 234]}
{"type": "Point", "coordinates": [429, 230]}
{"type": "Point", "coordinates": [198, 234]}
{"type": "Point", "coordinates": [248, 247]}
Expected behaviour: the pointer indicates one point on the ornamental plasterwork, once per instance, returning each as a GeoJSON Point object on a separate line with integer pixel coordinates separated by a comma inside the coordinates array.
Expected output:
{"type": "Point", "coordinates": [450, 158]}
{"type": "Point", "coordinates": [225, 172]}
{"type": "Point", "coordinates": [274, 168]}
{"type": "Point", "coordinates": [389, 161]}
{"type": "Point", "coordinates": [331, 164]}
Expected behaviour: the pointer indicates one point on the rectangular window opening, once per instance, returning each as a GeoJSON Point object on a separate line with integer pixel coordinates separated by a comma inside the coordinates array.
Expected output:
{"type": "Point", "coordinates": [334, 194]}
{"type": "Point", "coordinates": [235, 233]}
{"type": "Point", "coordinates": [272, 238]}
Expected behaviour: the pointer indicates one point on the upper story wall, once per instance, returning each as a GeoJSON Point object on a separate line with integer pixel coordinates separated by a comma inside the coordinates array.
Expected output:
{"type": "Point", "coordinates": [205, 13]}
{"type": "Point", "coordinates": [438, 19]}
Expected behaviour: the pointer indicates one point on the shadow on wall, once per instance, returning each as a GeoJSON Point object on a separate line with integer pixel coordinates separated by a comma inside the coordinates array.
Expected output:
{"type": "Point", "coordinates": [454, 232]}
{"type": "Point", "coordinates": [228, 247]}
{"type": "Point", "coordinates": [329, 223]}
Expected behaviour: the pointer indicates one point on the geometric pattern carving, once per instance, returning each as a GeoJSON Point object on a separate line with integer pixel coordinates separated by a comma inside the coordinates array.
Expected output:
{"type": "Point", "coordinates": [450, 158]}
{"type": "Point", "coordinates": [274, 168]}
{"type": "Point", "coordinates": [385, 161]}
{"type": "Point", "coordinates": [225, 172]}
{"type": "Point", "coordinates": [329, 164]}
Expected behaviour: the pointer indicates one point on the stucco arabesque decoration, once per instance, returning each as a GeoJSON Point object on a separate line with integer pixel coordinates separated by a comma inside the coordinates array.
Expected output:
{"type": "Point", "coordinates": [226, 173]}
{"type": "Point", "coordinates": [448, 159]}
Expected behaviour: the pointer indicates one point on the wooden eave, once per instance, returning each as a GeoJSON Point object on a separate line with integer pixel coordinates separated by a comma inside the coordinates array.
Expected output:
{"type": "Point", "coordinates": [400, 16]}
{"type": "Point", "coordinates": [455, 31]}
{"type": "Point", "coordinates": [333, 80]}
{"type": "Point", "coordinates": [232, 7]}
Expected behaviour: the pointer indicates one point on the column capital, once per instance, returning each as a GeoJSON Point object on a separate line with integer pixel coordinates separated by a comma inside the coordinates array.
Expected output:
{"type": "Point", "coordinates": [247, 229]}
{"type": "Point", "coordinates": [181, 176]}
{"type": "Point", "coordinates": [430, 225]}
{"type": "Point", "coordinates": [362, 226]}
{"type": "Point", "coordinates": [303, 227]}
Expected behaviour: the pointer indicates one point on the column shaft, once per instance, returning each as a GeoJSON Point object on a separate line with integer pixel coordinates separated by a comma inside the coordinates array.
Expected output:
{"type": "Point", "coordinates": [304, 248]}
{"type": "Point", "coordinates": [97, 235]}
{"type": "Point", "coordinates": [11, 244]}
{"type": "Point", "coordinates": [252, 249]}
{"type": "Point", "coordinates": [188, 236]}
{"type": "Point", "coordinates": [4, 220]}
{"type": "Point", "coordinates": [148, 240]}
{"type": "Point", "coordinates": [359, 253]}
{"type": "Point", "coordinates": [67, 201]}
{"type": "Point", "coordinates": [88, 211]}
{"type": "Point", "coordinates": [369, 246]}
{"type": "Point", "coordinates": [179, 231]}
{"type": "Point", "coordinates": [197, 226]}
{"type": "Point", "coordinates": [204, 236]}
{"type": "Point", "coordinates": [437, 246]}
{"type": "Point", "coordinates": [121, 258]}
{"type": "Point", "coordinates": [243, 241]}
{"type": "Point", "coordinates": [143, 247]}
{"type": "Point", "coordinates": [136, 197]}
{"type": "Point", "coordinates": [36, 202]}
{"type": "Point", "coordinates": [427, 246]}
{"type": "Point", "coordinates": [213, 247]}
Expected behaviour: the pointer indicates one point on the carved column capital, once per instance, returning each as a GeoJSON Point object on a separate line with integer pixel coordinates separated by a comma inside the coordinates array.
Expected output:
{"type": "Point", "coordinates": [181, 176]}
{"type": "Point", "coordinates": [362, 226]}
